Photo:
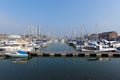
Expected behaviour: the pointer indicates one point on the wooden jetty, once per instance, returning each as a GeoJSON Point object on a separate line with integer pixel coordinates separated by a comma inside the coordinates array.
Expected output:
{"type": "Point", "coordinates": [75, 54]}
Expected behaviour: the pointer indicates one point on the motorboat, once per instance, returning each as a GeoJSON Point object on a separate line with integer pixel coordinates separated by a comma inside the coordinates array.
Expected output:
{"type": "Point", "coordinates": [100, 48]}
{"type": "Point", "coordinates": [18, 53]}
{"type": "Point", "coordinates": [17, 45]}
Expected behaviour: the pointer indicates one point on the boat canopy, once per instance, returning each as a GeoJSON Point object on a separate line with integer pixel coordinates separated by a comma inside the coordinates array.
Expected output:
{"type": "Point", "coordinates": [80, 42]}
{"type": "Point", "coordinates": [21, 52]}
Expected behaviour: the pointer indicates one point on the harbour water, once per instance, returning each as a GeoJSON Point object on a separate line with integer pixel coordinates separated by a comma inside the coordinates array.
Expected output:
{"type": "Point", "coordinates": [58, 47]}
{"type": "Point", "coordinates": [60, 68]}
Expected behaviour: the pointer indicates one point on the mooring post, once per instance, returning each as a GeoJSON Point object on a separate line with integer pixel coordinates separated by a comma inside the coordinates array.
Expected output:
{"type": "Point", "coordinates": [63, 54]}
{"type": "Point", "coordinates": [110, 55]}
{"type": "Point", "coordinates": [51, 54]}
{"type": "Point", "coordinates": [98, 54]}
{"type": "Point", "coordinates": [87, 54]}
{"type": "Point", "coordinates": [74, 54]}
{"type": "Point", "coordinates": [39, 54]}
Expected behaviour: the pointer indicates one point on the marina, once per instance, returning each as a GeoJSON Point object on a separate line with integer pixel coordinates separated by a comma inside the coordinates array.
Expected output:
{"type": "Point", "coordinates": [69, 66]}
{"type": "Point", "coordinates": [59, 40]}
{"type": "Point", "coordinates": [70, 63]}
{"type": "Point", "coordinates": [64, 50]}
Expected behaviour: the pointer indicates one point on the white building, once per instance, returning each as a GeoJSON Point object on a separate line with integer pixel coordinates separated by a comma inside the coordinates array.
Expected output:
{"type": "Point", "coordinates": [14, 36]}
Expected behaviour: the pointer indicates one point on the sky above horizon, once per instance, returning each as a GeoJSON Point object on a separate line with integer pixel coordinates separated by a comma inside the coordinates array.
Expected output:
{"type": "Point", "coordinates": [59, 17]}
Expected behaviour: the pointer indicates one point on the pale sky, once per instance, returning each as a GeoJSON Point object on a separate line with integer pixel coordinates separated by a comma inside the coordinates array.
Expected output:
{"type": "Point", "coordinates": [59, 17]}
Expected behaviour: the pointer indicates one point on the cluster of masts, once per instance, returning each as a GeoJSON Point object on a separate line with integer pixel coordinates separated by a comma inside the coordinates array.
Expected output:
{"type": "Point", "coordinates": [35, 30]}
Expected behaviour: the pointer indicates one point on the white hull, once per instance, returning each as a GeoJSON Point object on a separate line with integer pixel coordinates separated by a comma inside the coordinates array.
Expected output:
{"type": "Point", "coordinates": [101, 50]}
{"type": "Point", "coordinates": [12, 49]}
{"type": "Point", "coordinates": [16, 55]}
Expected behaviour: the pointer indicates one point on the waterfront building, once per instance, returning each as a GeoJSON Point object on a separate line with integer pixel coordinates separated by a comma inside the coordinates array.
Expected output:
{"type": "Point", "coordinates": [14, 36]}
{"type": "Point", "coordinates": [112, 35]}
{"type": "Point", "coordinates": [118, 37]}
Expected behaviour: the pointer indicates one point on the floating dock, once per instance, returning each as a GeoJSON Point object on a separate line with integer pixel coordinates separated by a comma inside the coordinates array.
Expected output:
{"type": "Point", "coordinates": [75, 54]}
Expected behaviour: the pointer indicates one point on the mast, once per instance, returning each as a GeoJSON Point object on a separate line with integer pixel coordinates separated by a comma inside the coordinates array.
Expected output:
{"type": "Point", "coordinates": [96, 32]}
{"type": "Point", "coordinates": [81, 34]}
{"type": "Point", "coordinates": [30, 31]}
{"type": "Point", "coordinates": [38, 32]}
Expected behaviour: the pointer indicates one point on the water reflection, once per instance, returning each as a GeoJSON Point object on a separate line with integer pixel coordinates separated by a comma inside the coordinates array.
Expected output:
{"type": "Point", "coordinates": [60, 68]}
{"type": "Point", "coordinates": [37, 59]}
{"type": "Point", "coordinates": [105, 59]}
{"type": "Point", "coordinates": [99, 58]}
{"type": "Point", "coordinates": [17, 60]}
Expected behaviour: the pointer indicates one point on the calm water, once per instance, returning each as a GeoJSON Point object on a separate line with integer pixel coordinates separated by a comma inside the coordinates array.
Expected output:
{"type": "Point", "coordinates": [60, 68]}
{"type": "Point", "coordinates": [58, 47]}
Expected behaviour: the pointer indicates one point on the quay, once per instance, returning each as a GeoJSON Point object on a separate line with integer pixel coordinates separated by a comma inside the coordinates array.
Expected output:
{"type": "Point", "coordinates": [74, 54]}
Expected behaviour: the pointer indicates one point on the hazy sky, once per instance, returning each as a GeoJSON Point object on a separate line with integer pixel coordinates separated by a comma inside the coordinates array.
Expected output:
{"type": "Point", "coordinates": [60, 17]}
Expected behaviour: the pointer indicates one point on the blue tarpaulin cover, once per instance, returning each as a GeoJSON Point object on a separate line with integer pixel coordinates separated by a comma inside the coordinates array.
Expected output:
{"type": "Point", "coordinates": [21, 52]}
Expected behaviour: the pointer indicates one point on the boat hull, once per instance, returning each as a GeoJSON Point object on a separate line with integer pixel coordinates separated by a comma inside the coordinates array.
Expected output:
{"type": "Point", "coordinates": [16, 55]}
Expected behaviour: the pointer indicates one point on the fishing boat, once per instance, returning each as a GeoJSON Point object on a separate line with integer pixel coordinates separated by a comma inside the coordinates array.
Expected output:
{"type": "Point", "coordinates": [18, 53]}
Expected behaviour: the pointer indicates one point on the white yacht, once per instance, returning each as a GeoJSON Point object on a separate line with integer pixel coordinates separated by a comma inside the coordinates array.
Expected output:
{"type": "Point", "coordinates": [17, 45]}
